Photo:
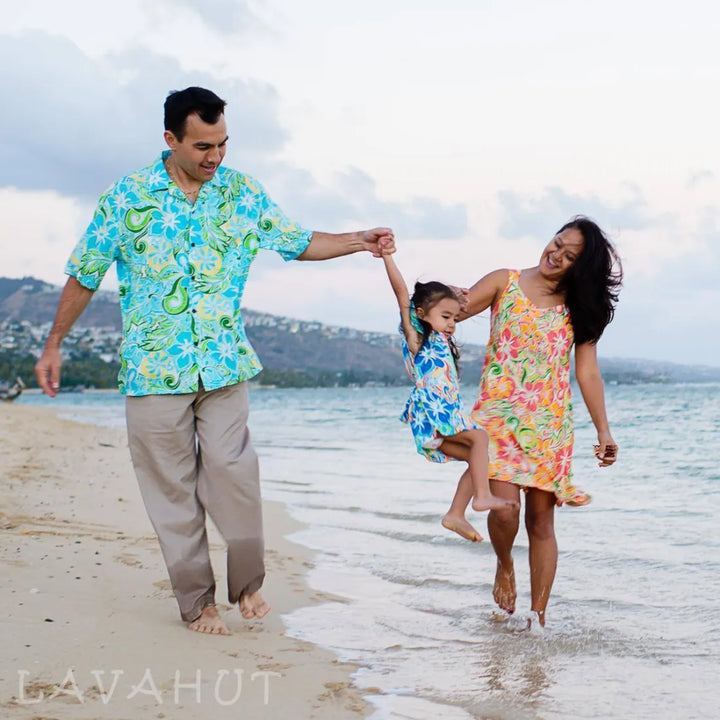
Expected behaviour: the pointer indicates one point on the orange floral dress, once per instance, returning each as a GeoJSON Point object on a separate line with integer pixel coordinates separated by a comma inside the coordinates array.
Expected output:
{"type": "Point", "coordinates": [524, 402]}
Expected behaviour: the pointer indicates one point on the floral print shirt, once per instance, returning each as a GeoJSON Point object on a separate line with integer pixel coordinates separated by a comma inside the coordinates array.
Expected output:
{"type": "Point", "coordinates": [182, 269]}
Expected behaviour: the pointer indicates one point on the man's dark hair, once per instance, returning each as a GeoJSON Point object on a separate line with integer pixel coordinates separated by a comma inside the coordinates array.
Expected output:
{"type": "Point", "coordinates": [181, 103]}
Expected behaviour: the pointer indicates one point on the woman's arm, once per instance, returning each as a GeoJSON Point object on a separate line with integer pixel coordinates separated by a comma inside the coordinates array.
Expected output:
{"type": "Point", "coordinates": [403, 297]}
{"type": "Point", "coordinates": [590, 381]}
{"type": "Point", "coordinates": [484, 293]}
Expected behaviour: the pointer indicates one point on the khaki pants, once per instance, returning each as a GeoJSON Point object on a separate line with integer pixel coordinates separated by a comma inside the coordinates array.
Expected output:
{"type": "Point", "coordinates": [192, 454]}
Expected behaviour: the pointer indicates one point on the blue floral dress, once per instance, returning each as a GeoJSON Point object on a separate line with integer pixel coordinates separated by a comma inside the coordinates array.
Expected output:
{"type": "Point", "coordinates": [434, 408]}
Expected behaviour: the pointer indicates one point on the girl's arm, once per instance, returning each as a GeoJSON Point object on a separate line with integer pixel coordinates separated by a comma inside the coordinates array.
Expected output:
{"type": "Point", "coordinates": [484, 293]}
{"type": "Point", "coordinates": [403, 297]}
{"type": "Point", "coordinates": [590, 381]}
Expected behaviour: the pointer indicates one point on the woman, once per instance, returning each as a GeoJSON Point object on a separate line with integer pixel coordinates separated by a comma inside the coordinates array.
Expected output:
{"type": "Point", "coordinates": [524, 404]}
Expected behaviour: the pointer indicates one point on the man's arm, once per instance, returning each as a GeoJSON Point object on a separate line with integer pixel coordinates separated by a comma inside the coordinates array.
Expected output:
{"type": "Point", "coordinates": [74, 299]}
{"type": "Point", "coordinates": [325, 246]}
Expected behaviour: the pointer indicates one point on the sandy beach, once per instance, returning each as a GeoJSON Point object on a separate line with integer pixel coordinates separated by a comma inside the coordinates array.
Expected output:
{"type": "Point", "coordinates": [90, 627]}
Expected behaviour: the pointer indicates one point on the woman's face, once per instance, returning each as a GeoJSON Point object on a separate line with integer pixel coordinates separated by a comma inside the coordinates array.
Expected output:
{"type": "Point", "coordinates": [560, 254]}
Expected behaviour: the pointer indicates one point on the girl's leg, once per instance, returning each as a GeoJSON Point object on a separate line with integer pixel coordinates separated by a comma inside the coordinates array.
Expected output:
{"type": "Point", "coordinates": [455, 517]}
{"type": "Point", "coordinates": [472, 446]}
{"type": "Point", "coordinates": [539, 521]}
{"type": "Point", "coordinates": [503, 527]}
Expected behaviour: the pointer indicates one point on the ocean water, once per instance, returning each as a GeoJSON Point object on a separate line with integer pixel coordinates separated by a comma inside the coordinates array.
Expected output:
{"type": "Point", "coordinates": [634, 619]}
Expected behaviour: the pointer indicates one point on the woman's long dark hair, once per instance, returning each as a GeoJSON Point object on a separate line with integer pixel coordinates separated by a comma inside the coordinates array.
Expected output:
{"type": "Point", "coordinates": [425, 296]}
{"type": "Point", "coordinates": [592, 283]}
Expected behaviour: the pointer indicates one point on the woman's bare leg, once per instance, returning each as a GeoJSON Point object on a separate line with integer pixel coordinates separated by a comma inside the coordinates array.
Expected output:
{"type": "Point", "coordinates": [503, 527]}
{"type": "Point", "coordinates": [539, 521]}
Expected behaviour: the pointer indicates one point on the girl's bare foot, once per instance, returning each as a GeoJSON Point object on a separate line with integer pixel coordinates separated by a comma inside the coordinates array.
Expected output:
{"type": "Point", "coordinates": [504, 592]}
{"type": "Point", "coordinates": [209, 622]}
{"type": "Point", "coordinates": [253, 606]}
{"type": "Point", "coordinates": [491, 502]}
{"type": "Point", "coordinates": [462, 527]}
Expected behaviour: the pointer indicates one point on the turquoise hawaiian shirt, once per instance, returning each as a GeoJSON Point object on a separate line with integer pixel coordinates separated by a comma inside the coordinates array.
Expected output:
{"type": "Point", "coordinates": [182, 269]}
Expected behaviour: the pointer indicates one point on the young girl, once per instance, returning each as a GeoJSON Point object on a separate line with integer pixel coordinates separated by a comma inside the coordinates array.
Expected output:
{"type": "Point", "coordinates": [433, 411]}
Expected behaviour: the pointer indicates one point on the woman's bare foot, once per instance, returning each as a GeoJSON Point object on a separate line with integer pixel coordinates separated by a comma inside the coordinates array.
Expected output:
{"type": "Point", "coordinates": [492, 502]}
{"type": "Point", "coordinates": [253, 606]}
{"type": "Point", "coordinates": [209, 622]}
{"type": "Point", "coordinates": [504, 592]}
{"type": "Point", "coordinates": [462, 527]}
{"type": "Point", "coordinates": [535, 622]}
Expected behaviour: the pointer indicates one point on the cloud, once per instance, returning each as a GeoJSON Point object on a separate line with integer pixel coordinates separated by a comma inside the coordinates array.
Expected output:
{"type": "Point", "coordinates": [39, 229]}
{"type": "Point", "coordinates": [353, 201]}
{"type": "Point", "coordinates": [226, 17]}
{"type": "Point", "coordinates": [524, 215]}
{"type": "Point", "coordinates": [697, 270]}
{"type": "Point", "coordinates": [74, 125]}
{"type": "Point", "coordinates": [699, 178]}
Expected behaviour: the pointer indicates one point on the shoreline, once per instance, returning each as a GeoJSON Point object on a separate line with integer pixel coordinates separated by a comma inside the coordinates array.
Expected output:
{"type": "Point", "coordinates": [90, 618]}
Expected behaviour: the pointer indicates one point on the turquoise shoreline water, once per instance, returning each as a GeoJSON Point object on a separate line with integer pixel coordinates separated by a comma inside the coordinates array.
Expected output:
{"type": "Point", "coordinates": [634, 620]}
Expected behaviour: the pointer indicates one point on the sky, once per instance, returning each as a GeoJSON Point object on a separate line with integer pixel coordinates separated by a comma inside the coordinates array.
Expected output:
{"type": "Point", "coordinates": [473, 128]}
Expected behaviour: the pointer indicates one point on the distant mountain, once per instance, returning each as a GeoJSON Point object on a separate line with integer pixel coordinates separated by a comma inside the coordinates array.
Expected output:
{"type": "Point", "coordinates": [36, 301]}
{"type": "Point", "coordinates": [293, 352]}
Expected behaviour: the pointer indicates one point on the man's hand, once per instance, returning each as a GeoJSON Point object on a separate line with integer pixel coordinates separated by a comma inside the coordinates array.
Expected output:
{"type": "Point", "coordinates": [379, 241]}
{"type": "Point", "coordinates": [47, 370]}
{"type": "Point", "coordinates": [73, 300]}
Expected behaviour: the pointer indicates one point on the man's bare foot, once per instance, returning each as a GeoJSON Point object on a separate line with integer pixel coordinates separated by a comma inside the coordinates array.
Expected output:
{"type": "Point", "coordinates": [504, 592]}
{"type": "Point", "coordinates": [462, 527]}
{"type": "Point", "coordinates": [253, 606]}
{"type": "Point", "coordinates": [491, 502]}
{"type": "Point", "coordinates": [209, 622]}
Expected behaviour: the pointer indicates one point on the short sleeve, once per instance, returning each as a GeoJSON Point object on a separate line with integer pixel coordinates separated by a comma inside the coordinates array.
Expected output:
{"type": "Point", "coordinates": [415, 320]}
{"type": "Point", "coordinates": [278, 232]}
{"type": "Point", "coordinates": [97, 249]}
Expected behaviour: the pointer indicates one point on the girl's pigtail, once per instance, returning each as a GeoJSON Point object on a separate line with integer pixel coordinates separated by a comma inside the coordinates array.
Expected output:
{"type": "Point", "coordinates": [455, 351]}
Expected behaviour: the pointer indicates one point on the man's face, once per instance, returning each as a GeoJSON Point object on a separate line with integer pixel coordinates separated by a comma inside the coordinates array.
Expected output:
{"type": "Point", "coordinates": [202, 149]}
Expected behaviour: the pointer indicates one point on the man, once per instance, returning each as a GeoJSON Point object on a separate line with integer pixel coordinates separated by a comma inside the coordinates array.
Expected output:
{"type": "Point", "coordinates": [183, 232]}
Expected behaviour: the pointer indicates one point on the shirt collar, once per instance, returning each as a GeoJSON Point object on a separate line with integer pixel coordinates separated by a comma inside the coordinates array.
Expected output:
{"type": "Point", "coordinates": [158, 178]}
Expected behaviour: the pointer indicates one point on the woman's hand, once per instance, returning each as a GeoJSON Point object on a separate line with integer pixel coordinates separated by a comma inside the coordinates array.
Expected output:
{"type": "Point", "coordinates": [462, 295]}
{"type": "Point", "coordinates": [606, 451]}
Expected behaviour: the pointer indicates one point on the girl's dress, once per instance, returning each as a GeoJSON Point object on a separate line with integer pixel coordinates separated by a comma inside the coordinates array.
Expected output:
{"type": "Point", "coordinates": [433, 408]}
{"type": "Point", "coordinates": [524, 402]}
